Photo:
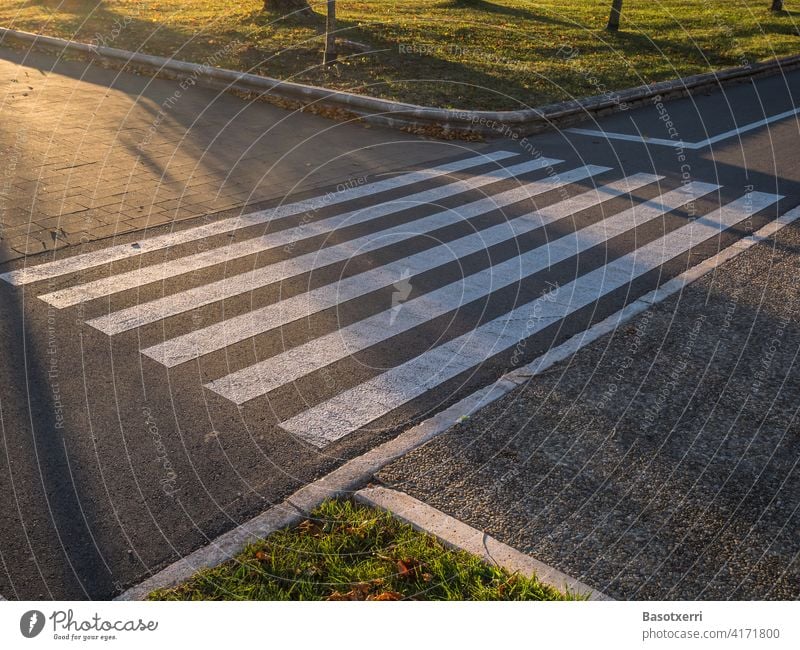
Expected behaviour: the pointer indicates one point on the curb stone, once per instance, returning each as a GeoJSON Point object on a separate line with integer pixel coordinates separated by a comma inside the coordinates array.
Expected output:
{"type": "Point", "coordinates": [456, 534]}
{"type": "Point", "coordinates": [343, 481]}
{"type": "Point", "coordinates": [357, 472]}
{"type": "Point", "coordinates": [439, 122]}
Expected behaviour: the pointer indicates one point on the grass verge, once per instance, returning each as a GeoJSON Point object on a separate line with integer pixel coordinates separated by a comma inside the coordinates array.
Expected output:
{"type": "Point", "coordinates": [351, 552]}
{"type": "Point", "coordinates": [471, 54]}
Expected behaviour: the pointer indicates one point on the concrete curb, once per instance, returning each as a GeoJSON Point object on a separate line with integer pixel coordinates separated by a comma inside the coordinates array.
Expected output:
{"type": "Point", "coordinates": [456, 534]}
{"type": "Point", "coordinates": [356, 473]}
{"type": "Point", "coordinates": [448, 123]}
{"type": "Point", "coordinates": [343, 481]}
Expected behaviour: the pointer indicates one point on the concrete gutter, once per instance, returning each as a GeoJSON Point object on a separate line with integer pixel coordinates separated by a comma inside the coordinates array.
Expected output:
{"type": "Point", "coordinates": [449, 123]}
{"type": "Point", "coordinates": [341, 482]}
{"type": "Point", "coordinates": [458, 535]}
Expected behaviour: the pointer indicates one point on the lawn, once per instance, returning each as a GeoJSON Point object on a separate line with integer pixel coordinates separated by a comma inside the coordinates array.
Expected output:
{"type": "Point", "coordinates": [349, 552]}
{"type": "Point", "coordinates": [503, 54]}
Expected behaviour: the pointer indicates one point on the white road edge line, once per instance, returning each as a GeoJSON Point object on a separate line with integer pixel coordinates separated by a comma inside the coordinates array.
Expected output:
{"type": "Point", "coordinates": [359, 471]}
{"type": "Point", "coordinates": [460, 536]}
{"type": "Point", "coordinates": [610, 135]}
{"type": "Point", "coordinates": [680, 144]}
{"type": "Point", "coordinates": [123, 251]}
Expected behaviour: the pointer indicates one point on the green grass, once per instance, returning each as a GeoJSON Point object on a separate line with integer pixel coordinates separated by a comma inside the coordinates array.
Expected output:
{"type": "Point", "coordinates": [500, 54]}
{"type": "Point", "coordinates": [349, 552]}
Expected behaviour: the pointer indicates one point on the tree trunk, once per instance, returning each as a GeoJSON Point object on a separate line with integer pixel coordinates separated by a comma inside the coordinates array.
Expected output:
{"type": "Point", "coordinates": [613, 19]}
{"type": "Point", "coordinates": [330, 34]}
{"type": "Point", "coordinates": [777, 5]}
{"type": "Point", "coordinates": [289, 7]}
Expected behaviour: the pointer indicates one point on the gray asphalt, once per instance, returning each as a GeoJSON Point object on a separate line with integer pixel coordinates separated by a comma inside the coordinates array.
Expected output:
{"type": "Point", "coordinates": [660, 462]}
{"type": "Point", "coordinates": [116, 465]}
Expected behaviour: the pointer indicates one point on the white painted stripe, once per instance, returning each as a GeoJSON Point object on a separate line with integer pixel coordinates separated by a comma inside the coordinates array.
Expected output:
{"type": "Point", "coordinates": [272, 241]}
{"type": "Point", "coordinates": [680, 144]}
{"type": "Point", "coordinates": [362, 404]}
{"type": "Point", "coordinates": [125, 251]}
{"type": "Point", "coordinates": [348, 288]}
{"type": "Point", "coordinates": [747, 127]}
{"type": "Point", "coordinates": [222, 334]}
{"type": "Point", "coordinates": [259, 379]}
{"type": "Point", "coordinates": [345, 289]}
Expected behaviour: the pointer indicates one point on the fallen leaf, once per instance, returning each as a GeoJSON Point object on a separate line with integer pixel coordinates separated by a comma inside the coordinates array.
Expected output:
{"type": "Point", "coordinates": [409, 568]}
{"type": "Point", "coordinates": [403, 569]}
{"type": "Point", "coordinates": [358, 592]}
{"type": "Point", "coordinates": [337, 595]}
{"type": "Point", "coordinates": [386, 595]}
{"type": "Point", "coordinates": [309, 527]}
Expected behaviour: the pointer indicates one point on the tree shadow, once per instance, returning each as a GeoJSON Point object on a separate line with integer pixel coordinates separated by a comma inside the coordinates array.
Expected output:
{"type": "Point", "coordinates": [71, 6]}
{"type": "Point", "coordinates": [494, 8]}
{"type": "Point", "coordinates": [46, 509]}
{"type": "Point", "coordinates": [667, 49]}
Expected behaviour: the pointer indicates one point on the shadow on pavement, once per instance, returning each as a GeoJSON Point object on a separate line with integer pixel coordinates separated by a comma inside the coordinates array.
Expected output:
{"type": "Point", "coordinates": [44, 504]}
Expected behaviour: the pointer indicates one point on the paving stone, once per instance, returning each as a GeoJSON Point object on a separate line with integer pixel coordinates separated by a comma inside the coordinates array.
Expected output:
{"type": "Point", "coordinates": [76, 149]}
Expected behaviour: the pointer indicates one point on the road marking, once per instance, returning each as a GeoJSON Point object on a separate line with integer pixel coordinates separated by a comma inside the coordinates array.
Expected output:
{"type": "Point", "coordinates": [358, 406]}
{"type": "Point", "coordinates": [220, 335]}
{"type": "Point", "coordinates": [680, 144]}
{"type": "Point", "coordinates": [183, 301]}
{"type": "Point", "coordinates": [291, 365]}
{"type": "Point", "coordinates": [273, 241]}
{"type": "Point", "coordinates": [125, 251]}
{"type": "Point", "coordinates": [610, 135]}
{"type": "Point", "coordinates": [346, 288]}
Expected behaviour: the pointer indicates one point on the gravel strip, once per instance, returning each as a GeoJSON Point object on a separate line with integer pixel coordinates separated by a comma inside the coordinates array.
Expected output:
{"type": "Point", "coordinates": [659, 462]}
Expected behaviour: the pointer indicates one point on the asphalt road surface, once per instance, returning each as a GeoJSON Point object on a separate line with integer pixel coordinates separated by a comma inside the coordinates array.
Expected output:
{"type": "Point", "coordinates": [159, 390]}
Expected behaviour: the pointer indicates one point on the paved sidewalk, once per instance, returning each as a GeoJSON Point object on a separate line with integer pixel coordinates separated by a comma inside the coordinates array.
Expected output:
{"type": "Point", "coordinates": [661, 461]}
{"type": "Point", "coordinates": [87, 153]}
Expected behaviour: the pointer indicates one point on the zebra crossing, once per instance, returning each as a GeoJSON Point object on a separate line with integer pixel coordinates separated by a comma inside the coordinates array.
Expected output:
{"type": "Point", "coordinates": [501, 220]}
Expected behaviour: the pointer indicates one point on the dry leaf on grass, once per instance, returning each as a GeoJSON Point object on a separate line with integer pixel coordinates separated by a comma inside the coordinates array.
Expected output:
{"type": "Point", "coordinates": [358, 592]}
{"type": "Point", "coordinates": [309, 527]}
{"type": "Point", "coordinates": [386, 595]}
{"type": "Point", "coordinates": [410, 568]}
